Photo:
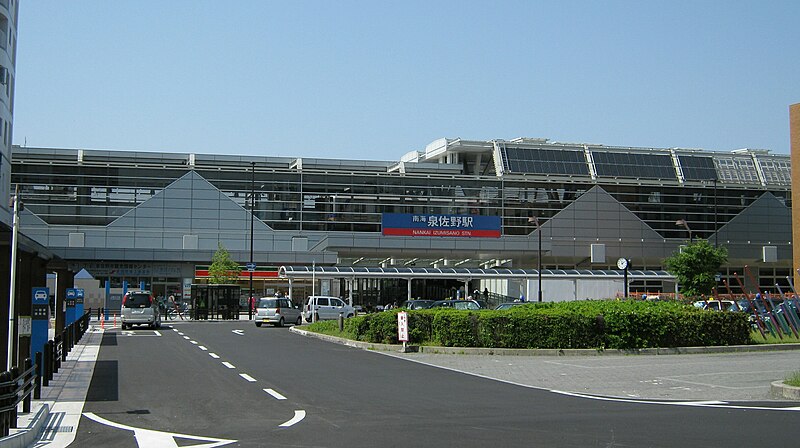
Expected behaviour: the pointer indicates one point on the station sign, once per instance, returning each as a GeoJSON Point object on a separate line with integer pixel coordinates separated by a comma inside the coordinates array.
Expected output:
{"type": "Point", "coordinates": [421, 225]}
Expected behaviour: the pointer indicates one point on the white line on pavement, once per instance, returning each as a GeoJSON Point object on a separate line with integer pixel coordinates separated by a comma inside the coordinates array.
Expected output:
{"type": "Point", "coordinates": [275, 394]}
{"type": "Point", "coordinates": [228, 365]}
{"type": "Point", "coordinates": [180, 334]}
{"type": "Point", "coordinates": [214, 355]}
{"type": "Point", "coordinates": [193, 342]}
{"type": "Point", "coordinates": [239, 332]}
{"type": "Point", "coordinates": [202, 348]}
{"type": "Point", "coordinates": [186, 337]}
{"type": "Point", "coordinates": [247, 377]}
{"type": "Point", "coordinates": [298, 416]}
{"type": "Point", "coordinates": [158, 333]}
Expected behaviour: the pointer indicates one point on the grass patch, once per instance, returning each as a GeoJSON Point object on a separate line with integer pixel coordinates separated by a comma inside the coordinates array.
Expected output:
{"type": "Point", "coordinates": [793, 379]}
{"type": "Point", "coordinates": [773, 339]}
{"type": "Point", "coordinates": [330, 328]}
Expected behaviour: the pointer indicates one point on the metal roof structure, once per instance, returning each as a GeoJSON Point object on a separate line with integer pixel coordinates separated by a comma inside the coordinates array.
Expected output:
{"type": "Point", "coordinates": [473, 273]}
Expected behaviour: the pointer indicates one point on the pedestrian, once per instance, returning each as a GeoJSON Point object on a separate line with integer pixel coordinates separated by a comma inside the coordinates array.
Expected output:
{"type": "Point", "coordinates": [485, 293]}
{"type": "Point", "coordinates": [521, 297]}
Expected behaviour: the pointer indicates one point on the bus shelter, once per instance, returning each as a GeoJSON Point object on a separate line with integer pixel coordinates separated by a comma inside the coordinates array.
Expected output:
{"type": "Point", "coordinates": [571, 284]}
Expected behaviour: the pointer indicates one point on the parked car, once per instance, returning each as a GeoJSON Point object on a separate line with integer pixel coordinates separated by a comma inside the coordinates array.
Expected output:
{"type": "Point", "coordinates": [456, 304]}
{"type": "Point", "coordinates": [326, 308]}
{"type": "Point", "coordinates": [277, 311]}
{"type": "Point", "coordinates": [717, 305]}
{"type": "Point", "coordinates": [509, 305]}
{"type": "Point", "coordinates": [417, 304]}
{"type": "Point", "coordinates": [140, 308]}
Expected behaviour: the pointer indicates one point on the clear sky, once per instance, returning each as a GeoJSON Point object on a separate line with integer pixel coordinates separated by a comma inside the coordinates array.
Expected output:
{"type": "Point", "coordinates": [375, 79]}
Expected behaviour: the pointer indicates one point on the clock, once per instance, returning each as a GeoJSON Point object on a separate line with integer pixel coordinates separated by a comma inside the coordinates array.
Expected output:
{"type": "Point", "coordinates": [622, 263]}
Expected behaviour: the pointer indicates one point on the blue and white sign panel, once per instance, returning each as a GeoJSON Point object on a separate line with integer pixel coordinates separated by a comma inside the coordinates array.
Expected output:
{"type": "Point", "coordinates": [40, 319]}
{"type": "Point", "coordinates": [470, 226]}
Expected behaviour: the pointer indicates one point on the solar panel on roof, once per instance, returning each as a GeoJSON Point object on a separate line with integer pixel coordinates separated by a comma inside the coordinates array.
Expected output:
{"type": "Point", "coordinates": [621, 164]}
{"type": "Point", "coordinates": [697, 167]}
{"type": "Point", "coordinates": [544, 161]}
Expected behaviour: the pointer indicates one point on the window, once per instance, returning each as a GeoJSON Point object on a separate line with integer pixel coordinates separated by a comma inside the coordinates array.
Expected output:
{"type": "Point", "coordinates": [337, 303]}
{"type": "Point", "coordinates": [137, 300]}
{"type": "Point", "coordinates": [322, 302]}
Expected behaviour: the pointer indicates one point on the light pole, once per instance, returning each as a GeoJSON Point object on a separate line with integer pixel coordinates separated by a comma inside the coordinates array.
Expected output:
{"type": "Point", "coordinates": [252, 217]}
{"type": "Point", "coordinates": [13, 280]}
{"type": "Point", "coordinates": [716, 236]}
{"type": "Point", "coordinates": [685, 225]}
{"type": "Point", "coordinates": [535, 221]}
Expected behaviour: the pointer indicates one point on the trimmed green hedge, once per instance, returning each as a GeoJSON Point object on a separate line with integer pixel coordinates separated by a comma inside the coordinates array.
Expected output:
{"type": "Point", "coordinates": [580, 324]}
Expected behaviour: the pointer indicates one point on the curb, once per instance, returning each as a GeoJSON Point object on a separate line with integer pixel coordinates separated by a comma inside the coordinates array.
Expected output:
{"type": "Point", "coordinates": [26, 437]}
{"type": "Point", "coordinates": [545, 351]}
{"type": "Point", "coordinates": [779, 389]}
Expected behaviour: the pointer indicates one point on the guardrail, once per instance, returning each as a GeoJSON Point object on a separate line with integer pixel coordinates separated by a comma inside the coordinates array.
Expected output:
{"type": "Point", "coordinates": [19, 386]}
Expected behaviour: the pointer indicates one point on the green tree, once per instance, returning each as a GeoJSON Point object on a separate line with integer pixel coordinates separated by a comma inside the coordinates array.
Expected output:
{"type": "Point", "coordinates": [696, 266]}
{"type": "Point", "coordinates": [223, 269]}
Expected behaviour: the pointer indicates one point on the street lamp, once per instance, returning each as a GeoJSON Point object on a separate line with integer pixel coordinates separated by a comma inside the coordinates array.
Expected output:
{"type": "Point", "coordinates": [685, 225]}
{"type": "Point", "coordinates": [535, 221]}
{"type": "Point", "coordinates": [252, 217]}
{"type": "Point", "coordinates": [17, 205]}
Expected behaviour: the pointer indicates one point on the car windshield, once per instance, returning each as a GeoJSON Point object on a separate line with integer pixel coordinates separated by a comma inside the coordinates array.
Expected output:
{"type": "Point", "coordinates": [137, 300]}
{"type": "Point", "coordinates": [268, 303]}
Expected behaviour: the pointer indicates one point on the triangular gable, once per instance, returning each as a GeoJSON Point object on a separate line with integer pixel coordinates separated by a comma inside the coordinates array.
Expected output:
{"type": "Point", "coordinates": [189, 203]}
{"type": "Point", "coordinates": [597, 215]}
{"type": "Point", "coordinates": [766, 220]}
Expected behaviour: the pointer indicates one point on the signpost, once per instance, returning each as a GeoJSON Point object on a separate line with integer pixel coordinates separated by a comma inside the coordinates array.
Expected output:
{"type": "Point", "coordinates": [71, 296]}
{"type": "Point", "coordinates": [251, 267]}
{"type": "Point", "coordinates": [40, 320]}
{"type": "Point", "coordinates": [402, 328]}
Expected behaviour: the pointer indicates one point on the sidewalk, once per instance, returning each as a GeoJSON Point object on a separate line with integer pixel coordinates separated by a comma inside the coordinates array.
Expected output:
{"type": "Point", "coordinates": [54, 418]}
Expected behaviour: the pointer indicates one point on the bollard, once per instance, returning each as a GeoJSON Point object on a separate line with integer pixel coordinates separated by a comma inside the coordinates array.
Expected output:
{"type": "Point", "coordinates": [4, 416]}
{"type": "Point", "coordinates": [115, 320]}
{"type": "Point", "coordinates": [47, 368]}
{"type": "Point", "coordinates": [64, 346]}
{"type": "Point", "coordinates": [341, 322]}
{"type": "Point", "coordinates": [37, 387]}
{"type": "Point", "coordinates": [15, 378]}
{"type": "Point", "coordinates": [26, 402]}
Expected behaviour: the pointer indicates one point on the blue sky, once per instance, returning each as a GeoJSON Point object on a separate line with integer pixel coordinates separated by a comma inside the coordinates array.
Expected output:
{"type": "Point", "coordinates": [376, 79]}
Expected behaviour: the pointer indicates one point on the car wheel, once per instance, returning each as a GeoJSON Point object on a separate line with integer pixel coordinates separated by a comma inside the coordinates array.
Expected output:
{"type": "Point", "coordinates": [258, 324]}
{"type": "Point", "coordinates": [124, 326]}
{"type": "Point", "coordinates": [280, 323]}
{"type": "Point", "coordinates": [299, 320]}
{"type": "Point", "coordinates": [349, 316]}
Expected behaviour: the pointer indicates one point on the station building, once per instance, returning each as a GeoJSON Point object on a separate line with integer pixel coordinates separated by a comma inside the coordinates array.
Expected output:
{"type": "Point", "coordinates": [155, 219]}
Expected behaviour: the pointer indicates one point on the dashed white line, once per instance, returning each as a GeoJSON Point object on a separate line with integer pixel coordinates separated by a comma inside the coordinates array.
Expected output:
{"type": "Point", "coordinates": [298, 416]}
{"type": "Point", "coordinates": [247, 377]}
{"type": "Point", "coordinates": [186, 337]}
{"type": "Point", "coordinates": [228, 365]}
{"type": "Point", "coordinates": [275, 394]}
{"type": "Point", "coordinates": [202, 348]}
{"type": "Point", "coordinates": [193, 342]}
{"type": "Point", "coordinates": [214, 355]}
{"type": "Point", "coordinates": [175, 329]}
{"type": "Point", "coordinates": [180, 334]}
{"type": "Point", "coordinates": [158, 333]}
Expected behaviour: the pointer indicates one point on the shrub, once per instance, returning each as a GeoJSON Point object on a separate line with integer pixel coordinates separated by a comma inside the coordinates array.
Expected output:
{"type": "Point", "coordinates": [580, 324]}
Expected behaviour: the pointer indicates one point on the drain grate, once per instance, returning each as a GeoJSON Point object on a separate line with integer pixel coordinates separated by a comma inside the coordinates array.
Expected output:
{"type": "Point", "coordinates": [61, 429]}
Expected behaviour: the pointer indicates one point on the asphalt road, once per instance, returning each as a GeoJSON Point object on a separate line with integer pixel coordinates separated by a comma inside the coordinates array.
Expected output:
{"type": "Point", "coordinates": [147, 387]}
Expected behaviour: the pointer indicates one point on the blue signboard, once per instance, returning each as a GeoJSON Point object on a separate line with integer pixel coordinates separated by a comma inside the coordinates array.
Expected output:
{"type": "Point", "coordinates": [470, 226]}
{"type": "Point", "coordinates": [71, 299]}
{"type": "Point", "coordinates": [40, 319]}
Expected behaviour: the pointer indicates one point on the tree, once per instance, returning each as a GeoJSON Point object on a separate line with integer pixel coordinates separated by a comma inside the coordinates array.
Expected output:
{"type": "Point", "coordinates": [223, 269]}
{"type": "Point", "coordinates": [695, 267]}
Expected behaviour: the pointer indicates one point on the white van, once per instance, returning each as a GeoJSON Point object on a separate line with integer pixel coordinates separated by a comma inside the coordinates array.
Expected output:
{"type": "Point", "coordinates": [139, 308]}
{"type": "Point", "coordinates": [326, 308]}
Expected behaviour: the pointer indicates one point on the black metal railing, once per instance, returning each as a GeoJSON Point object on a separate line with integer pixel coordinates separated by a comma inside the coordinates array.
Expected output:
{"type": "Point", "coordinates": [19, 386]}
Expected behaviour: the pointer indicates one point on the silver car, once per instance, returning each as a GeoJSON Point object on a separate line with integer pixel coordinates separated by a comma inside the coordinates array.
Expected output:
{"type": "Point", "coordinates": [326, 308]}
{"type": "Point", "coordinates": [139, 308]}
{"type": "Point", "coordinates": [277, 311]}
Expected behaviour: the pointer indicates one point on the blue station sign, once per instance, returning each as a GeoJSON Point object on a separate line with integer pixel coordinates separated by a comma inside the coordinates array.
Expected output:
{"type": "Point", "coordinates": [469, 226]}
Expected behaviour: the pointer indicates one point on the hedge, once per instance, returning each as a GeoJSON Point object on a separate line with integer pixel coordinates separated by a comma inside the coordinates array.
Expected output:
{"type": "Point", "coordinates": [561, 325]}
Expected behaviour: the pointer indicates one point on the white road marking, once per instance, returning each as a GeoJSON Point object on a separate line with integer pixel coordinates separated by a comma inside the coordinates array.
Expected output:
{"type": "Point", "coordinates": [275, 394]}
{"type": "Point", "coordinates": [159, 439]}
{"type": "Point", "coordinates": [247, 377]}
{"type": "Point", "coordinates": [158, 333]}
{"type": "Point", "coordinates": [239, 332]}
{"type": "Point", "coordinates": [179, 333]}
{"type": "Point", "coordinates": [298, 416]}
{"type": "Point", "coordinates": [174, 329]}
{"type": "Point", "coordinates": [186, 337]}
{"type": "Point", "coordinates": [214, 355]}
{"type": "Point", "coordinates": [193, 342]}
{"type": "Point", "coordinates": [228, 365]}
{"type": "Point", "coordinates": [202, 348]}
